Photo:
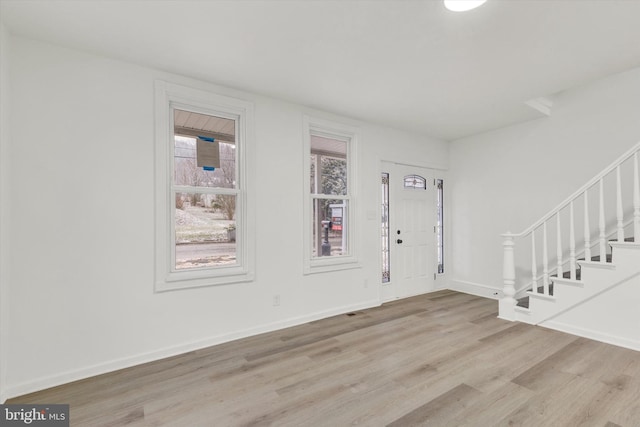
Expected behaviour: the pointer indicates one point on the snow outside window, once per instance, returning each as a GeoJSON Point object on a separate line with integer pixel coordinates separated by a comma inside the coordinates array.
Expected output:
{"type": "Point", "coordinates": [203, 214]}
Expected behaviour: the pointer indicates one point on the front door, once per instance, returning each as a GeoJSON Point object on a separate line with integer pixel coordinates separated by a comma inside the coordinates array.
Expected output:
{"type": "Point", "coordinates": [411, 231]}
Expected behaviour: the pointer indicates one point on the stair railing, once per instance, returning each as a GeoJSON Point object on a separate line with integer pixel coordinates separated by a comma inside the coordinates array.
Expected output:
{"type": "Point", "coordinates": [540, 285]}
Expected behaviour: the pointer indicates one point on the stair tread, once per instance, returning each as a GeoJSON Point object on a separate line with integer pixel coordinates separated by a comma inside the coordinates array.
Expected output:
{"type": "Point", "coordinates": [597, 258]}
{"type": "Point", "coordinates": [524, 301]}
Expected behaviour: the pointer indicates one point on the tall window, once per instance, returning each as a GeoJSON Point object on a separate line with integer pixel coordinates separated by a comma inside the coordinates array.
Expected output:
{"type": "Point", "coordinates": [202, 208]}
{"type": "Point", "coordinates": [386, 238]}
{"type": "Point", "coordinates": [329, 206]}
{"type": "Point", "coordinates": [440, 224]}
{"type": "Point", "coordinates": [205, 190]}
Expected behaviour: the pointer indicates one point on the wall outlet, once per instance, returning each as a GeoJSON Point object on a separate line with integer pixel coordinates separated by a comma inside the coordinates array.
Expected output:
{"type": "Point", "coordinates": [276, 300]}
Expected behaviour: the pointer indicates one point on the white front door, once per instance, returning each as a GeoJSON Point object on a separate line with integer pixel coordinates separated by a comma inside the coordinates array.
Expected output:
{"type": "Point", "coordinates": [411, 231]}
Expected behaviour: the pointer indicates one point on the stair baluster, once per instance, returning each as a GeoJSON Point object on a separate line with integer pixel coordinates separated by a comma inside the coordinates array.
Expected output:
{"type": "Point", "coordinates": [601, 225]}
{"type": "Point", "coordinates": [587, 229]}
{"type": "Point", "coordinates": [572, 244]}
{"type": "Point", "coordinates": [636, 200]}
{"type": "Point", "coordinates": [534, 264]}
{"type": "Point", "coordinates": [619, 211]}
{"type": "Point", "coordinates": [545, 261]}
{"type": "Point", "coordinates": [558, 245]}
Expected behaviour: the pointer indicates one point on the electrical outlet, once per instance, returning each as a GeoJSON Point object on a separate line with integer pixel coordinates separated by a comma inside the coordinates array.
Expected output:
{"type": "Point", "coordinates": [276, 300]}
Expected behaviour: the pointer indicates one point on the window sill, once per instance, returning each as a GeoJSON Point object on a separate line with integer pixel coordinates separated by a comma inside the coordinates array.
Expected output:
{"type": "Point", "coordinates": [318, 265]}
{"type": "Point", "coordinates": [198, 279]}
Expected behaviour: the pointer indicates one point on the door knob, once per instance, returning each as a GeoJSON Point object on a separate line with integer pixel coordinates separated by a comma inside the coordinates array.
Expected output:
{"type": "Point", "coordinates": [399, 241]}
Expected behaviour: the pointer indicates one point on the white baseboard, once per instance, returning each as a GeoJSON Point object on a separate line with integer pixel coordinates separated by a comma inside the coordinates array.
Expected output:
{"type": "Point", "coordinates": [127, 362]}
{"type": "Point", "coordinates": [593, 335]}
{"type": "Point", "coordinates": [475, 289]}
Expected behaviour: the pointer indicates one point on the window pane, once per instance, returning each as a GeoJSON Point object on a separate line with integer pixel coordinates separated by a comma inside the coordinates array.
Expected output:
{"type": "Point", "coordinates": [187, 173]}
{"type": "Point", "coordinates": [440, 225]}
{"type": "Point", "coordinates": [329, 227]}
{"type": "Point", "coordinates": [415, 181]}
{"type": "Point", "coordinates": [314, 177]}
{"type": "Point", "coordinates": [334, 176]}
{"type": "Point", "coordinates": [329, 165]}
{"type": "Point", "coordinates": [192, 129]}
{"type": "Point", "coordinates": [386, 273]}
{"type": "Point", "coordinates": [205, 230]}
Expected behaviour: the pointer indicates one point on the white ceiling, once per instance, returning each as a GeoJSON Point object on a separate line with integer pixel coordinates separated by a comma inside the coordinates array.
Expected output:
{"type": "Point", "coordinates": [409, 64]}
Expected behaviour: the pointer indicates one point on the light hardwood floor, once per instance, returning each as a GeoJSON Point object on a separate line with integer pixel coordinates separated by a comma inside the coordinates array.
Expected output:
{"type": "Point", "coordinates": [441, 359]}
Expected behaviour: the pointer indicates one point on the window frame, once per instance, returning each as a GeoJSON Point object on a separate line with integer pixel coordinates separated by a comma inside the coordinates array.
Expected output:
{"type": "Point", "coordinates": [350, 135]}
{"type": "Point", "coordinates": [169, 96]}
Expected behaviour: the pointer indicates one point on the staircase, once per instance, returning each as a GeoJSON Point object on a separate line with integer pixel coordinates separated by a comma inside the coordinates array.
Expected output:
{"type": "Point", "coordinates": [582, 269]}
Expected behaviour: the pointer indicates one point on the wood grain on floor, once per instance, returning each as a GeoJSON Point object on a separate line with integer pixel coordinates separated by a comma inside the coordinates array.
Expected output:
{"type": "Point", "coordinates": [440, 359]}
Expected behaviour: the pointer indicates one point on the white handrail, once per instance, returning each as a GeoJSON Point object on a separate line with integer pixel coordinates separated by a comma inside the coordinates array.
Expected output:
{"type": "Point", "coordinates": [508, 302]}
{"type": "Point", "coordinates": [593, 181]}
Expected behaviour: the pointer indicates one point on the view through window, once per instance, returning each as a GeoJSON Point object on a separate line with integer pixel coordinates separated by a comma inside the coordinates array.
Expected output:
{"type": "Point", "coordinates": [329, 196]}
{"type": "Point", "coordinates": [205, 193]}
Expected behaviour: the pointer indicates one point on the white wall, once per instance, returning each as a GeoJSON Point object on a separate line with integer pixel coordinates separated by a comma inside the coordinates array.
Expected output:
{"type": "Point", "coordinates": [612, 317]}
{"type": "Point", "coordinates": [4, 207]}
{"type": "Point", "coordinates": [506, 179]}
{"type": "Point", "coordinates": [82, 232]}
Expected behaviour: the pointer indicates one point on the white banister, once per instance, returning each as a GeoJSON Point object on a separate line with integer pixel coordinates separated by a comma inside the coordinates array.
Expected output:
{"type": "Point", "coordinates": [632, 156]}
{"type": "Point", "coordinates": [587, 228]}
{"type": "Point", "coordinates": [545, 261]}
{"type": "Point", "coordinates": [619, 211]}
{"type": "Point", "coordinates": [636, 200]}
{"type": "Point", "coordinates": [559, 245]}
{"type": "Point", "coordinates": [507, 303]}
{"type": "Point", "coordinates": [593, 181]}
{"type": "Point", "coordinates": [601, 225]}
{"type": "Point", "coordinates": [572, 244]}
{"type": "Point", "coordinates": [534, 264]}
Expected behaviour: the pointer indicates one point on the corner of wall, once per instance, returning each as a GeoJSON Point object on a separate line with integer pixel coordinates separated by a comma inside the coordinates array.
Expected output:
{"type": "Point", "coordinates": [4, 187]}
{"type": "Point", "coordinates": [477, 289]}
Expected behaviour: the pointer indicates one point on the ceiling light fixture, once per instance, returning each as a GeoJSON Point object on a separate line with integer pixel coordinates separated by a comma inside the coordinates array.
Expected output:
{"type": "Point", "coordinates": [462, 5]}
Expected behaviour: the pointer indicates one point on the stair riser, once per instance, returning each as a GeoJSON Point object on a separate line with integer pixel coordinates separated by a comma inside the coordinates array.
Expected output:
{"type": "Point", "coordinates": [594, 276]}
{"type": "Point", "coordinates": [624, 257]}
{"type": "Point", "coordinates": [567, 292]}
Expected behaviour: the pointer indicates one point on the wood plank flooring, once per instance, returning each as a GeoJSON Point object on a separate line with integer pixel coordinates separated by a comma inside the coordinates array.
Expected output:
{"type": "Point", "coordinates": [441, 359]}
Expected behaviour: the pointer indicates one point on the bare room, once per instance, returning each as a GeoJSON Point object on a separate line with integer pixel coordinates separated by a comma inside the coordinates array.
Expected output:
{"type": "Point", "coordinates": [320, 213]}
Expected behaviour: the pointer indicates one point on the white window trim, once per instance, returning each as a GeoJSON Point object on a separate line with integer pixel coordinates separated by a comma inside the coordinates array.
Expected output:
{"type": "Point", "coordinates": [167, 97]}
{"type": "Point", "coordinates": [341, 131]}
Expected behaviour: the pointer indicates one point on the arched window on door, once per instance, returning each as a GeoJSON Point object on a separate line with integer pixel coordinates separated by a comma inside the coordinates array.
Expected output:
{"type": "Point", "coordinates": [415, 182]}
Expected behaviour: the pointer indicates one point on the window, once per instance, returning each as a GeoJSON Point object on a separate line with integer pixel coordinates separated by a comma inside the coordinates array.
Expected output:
{"type": "Point", "coordinates": [415, 182]}
{"type": "Point", "coordinates": [440, 224]}
{"type": "Point", "coordinates": [202, 205]}
{"type": "Point", "coordinates": [329, 196]}
{"type": "Point", "coordinates": [386, 238]}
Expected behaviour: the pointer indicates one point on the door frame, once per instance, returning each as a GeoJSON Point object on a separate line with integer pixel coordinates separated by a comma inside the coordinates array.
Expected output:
{"type": "Point", "coordinates": [386, 292]}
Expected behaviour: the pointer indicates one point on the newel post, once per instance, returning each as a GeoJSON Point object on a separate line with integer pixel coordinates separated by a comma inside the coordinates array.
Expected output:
{"type": "Point", "coordinates": [507, 302]}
